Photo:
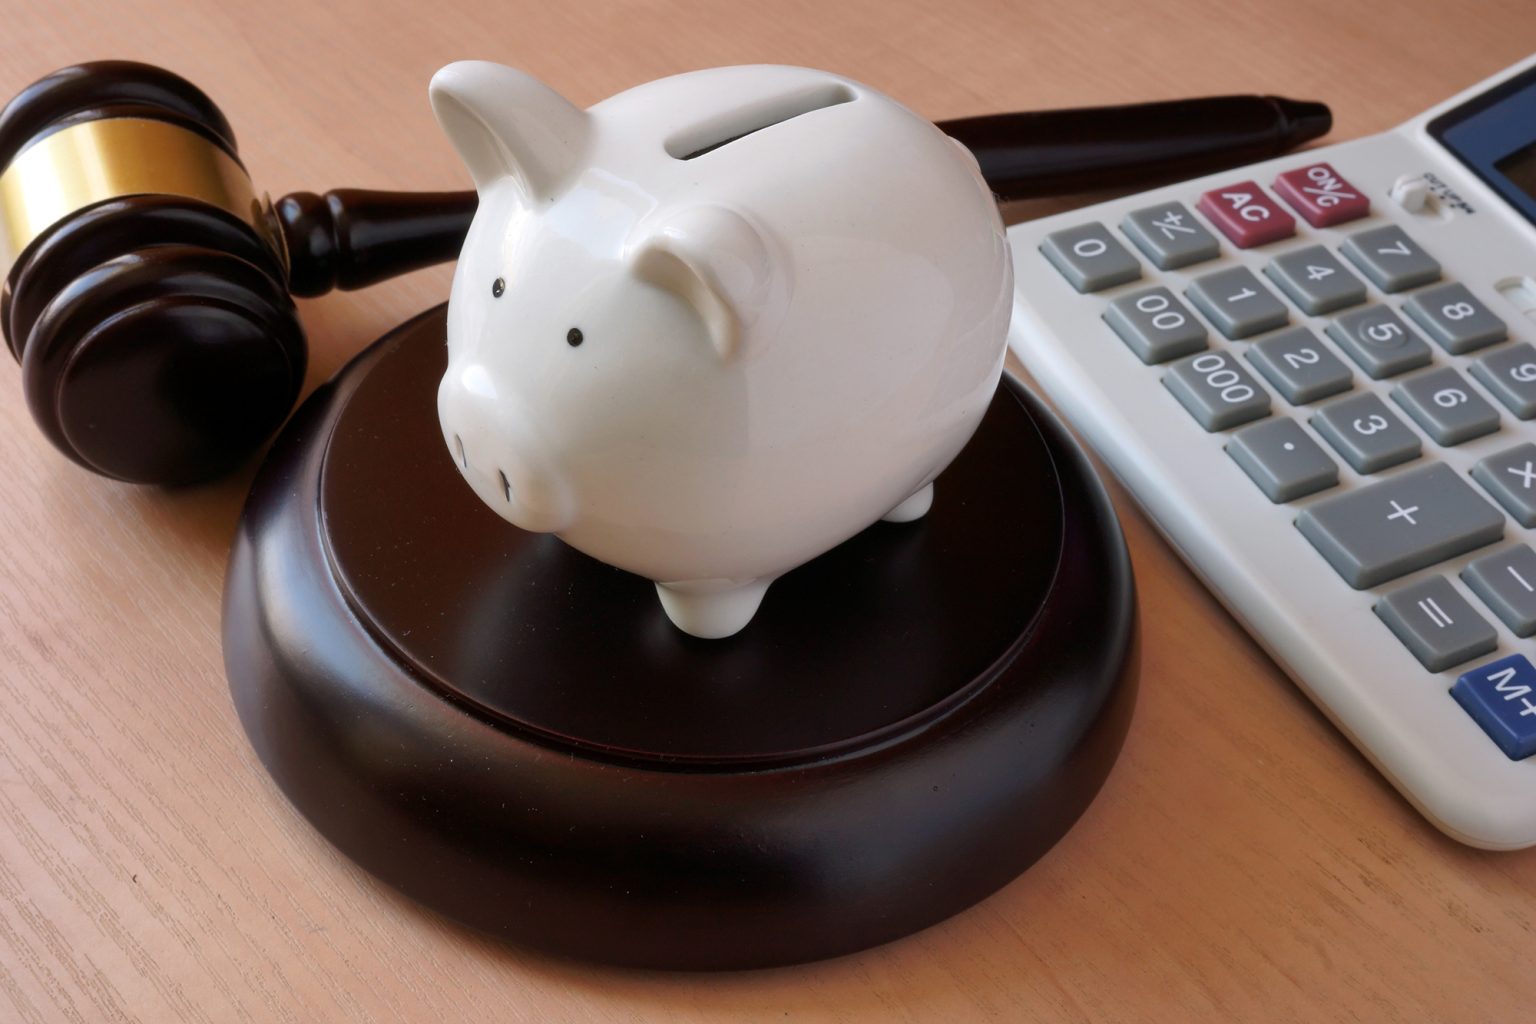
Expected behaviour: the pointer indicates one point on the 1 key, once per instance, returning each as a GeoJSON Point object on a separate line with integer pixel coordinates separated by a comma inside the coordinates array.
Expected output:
{"type": "Point", "coordinates": [1236, 302]}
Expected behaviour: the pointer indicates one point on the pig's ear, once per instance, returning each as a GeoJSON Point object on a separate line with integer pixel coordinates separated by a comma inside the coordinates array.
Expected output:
{"type": "Point", "coordinates": [713, 258]}
{"type": "Point", "coordinates": [508, 124]}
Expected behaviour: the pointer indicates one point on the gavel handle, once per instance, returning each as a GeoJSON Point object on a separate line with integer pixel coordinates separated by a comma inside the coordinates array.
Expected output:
{"type": "Point", "coordinates": [351, 237]}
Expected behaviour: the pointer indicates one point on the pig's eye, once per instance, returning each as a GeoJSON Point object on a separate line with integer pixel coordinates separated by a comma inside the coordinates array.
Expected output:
{"type": "Point", "coordinates": [497, 287]}
{"type": "Point", "coordinates": [573, 337]}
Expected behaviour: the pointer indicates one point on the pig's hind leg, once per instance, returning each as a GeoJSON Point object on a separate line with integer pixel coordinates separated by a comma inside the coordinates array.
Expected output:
{"type": "Point", "coordinates": [712, 609]}
{"type": "Point", "coordinates": [914, 507]}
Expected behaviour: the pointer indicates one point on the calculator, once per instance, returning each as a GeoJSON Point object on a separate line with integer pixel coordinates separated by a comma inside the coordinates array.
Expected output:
{"type": "Point", "coordinates": [1317, 376]}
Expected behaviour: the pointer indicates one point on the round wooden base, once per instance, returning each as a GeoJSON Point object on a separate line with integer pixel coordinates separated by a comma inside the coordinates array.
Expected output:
{"type": "Point", "coordinates": [515, 735]}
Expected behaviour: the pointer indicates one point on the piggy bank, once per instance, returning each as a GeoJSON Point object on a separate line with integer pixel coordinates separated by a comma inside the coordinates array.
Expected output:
{"type": "Point", "coordinates": [713, 326]}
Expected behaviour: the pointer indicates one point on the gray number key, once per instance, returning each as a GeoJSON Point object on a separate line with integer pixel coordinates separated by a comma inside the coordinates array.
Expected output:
{"type": "Point", "coordinates": [1216, 391]}
{"type": "Point", "coordinates": [1506, 582]}
{"type": "Point", "coordinates": [1236, 303]}
{"type": "Point", "coordinates": [1447, 408]}
{"type": "Point", "coordinates": [1452, 316]}
{"type": "Point", "coordinates": [1510, 373]}
{"type": "Point", "coordinates": [1366, 433]}
{"type": "Point", "coordinates": [1169, 236]}
{"type": "Point", "coordinates": [1436, 623]}
{"type": "Point", "coordinates": [1510, 476]}
{"type": "Point", "coordinates": [1419, 517]}
{"type": "Point", "coordinates": [1302, 368]}
{"type": "Point", "coordinates": [1393, 261]}
{"type": "Point", "coordinates": [1282, 460]}
{"type": "Point", "coordinates": [1378, 340]}
{"type": "Point", "coordinates": [1155, 325]}
{"type": "Point", "coordinates": [1089, 257]}
{"type": "Point", "coordinates": [1315, 280]}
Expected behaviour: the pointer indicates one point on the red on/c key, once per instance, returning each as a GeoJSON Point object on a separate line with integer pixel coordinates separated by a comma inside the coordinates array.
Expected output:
{"type": "Point", "coordinates": [1321, 195]}
{"type": "Point", "coordinates": [1246, 215]}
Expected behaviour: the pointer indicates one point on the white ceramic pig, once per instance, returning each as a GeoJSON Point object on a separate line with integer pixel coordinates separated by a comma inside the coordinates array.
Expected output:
{"type": "Point", "coordinates": [715, 325]}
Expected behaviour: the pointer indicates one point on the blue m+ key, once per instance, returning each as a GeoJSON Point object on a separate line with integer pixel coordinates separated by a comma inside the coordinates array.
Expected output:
{"type": "Point", "coordinates": [1501, 697]}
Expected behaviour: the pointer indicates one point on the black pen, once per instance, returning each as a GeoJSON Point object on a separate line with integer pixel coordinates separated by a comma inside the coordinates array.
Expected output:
{"type": "Point", "coordinates": [1064, 152]}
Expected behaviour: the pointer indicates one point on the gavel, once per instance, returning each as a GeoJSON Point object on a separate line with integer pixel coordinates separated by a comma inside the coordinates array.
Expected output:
{"type": "Point", "coordinates": [148, 293]}
{"type": "Point", "coordinates": [148, 289]}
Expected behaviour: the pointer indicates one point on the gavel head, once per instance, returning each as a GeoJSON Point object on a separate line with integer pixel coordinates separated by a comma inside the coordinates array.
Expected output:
{"type": "Point", "coordinates": [144, 282]}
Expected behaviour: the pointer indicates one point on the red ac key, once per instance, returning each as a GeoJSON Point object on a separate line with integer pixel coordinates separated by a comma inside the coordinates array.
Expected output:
{"type": "Point", "coordinates": [1246, 215]}
{"type": "Point", "coordinates": [1321, 195]}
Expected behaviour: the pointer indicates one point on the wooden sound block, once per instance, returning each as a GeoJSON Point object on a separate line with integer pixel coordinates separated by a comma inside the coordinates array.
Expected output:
{"type": "Point", "coordinates": [514, 734]}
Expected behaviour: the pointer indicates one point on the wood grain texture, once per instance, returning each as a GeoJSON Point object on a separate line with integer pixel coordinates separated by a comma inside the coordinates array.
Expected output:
{"type": "Point", "coordinates": [1243, 862]}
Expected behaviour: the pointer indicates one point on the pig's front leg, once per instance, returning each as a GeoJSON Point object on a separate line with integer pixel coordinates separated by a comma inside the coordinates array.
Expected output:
{"type": "Point", "coordinates": [914, 507]}
{"type": "Point", "coordinates": [712, 609]}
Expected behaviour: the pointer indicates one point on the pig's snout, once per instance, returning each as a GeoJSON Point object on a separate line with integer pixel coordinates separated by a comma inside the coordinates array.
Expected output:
{"type": "Point", "coordinates": [500, 453]}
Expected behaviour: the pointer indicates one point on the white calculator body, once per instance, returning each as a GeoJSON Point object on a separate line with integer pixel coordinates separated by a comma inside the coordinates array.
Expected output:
{"type": "Point", "coordinates": [1317, 376]}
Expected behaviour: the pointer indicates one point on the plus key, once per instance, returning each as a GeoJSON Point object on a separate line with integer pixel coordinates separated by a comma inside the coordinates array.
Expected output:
{"type": "Point", "coordinates": [1377, 533]}
{"type": "Point", "coordinates": [1322, 196]}
{"type": "Point", "coordinates": [1246, 215]}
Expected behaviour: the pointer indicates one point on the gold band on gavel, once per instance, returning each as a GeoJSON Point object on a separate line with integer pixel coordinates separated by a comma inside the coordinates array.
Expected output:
{"type": "Point", "coordinates": [89, 162]}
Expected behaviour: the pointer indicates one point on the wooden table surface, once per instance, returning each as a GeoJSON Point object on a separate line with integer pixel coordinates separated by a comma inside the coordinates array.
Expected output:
{"type": "Point", "coordinates": [1242, 863]}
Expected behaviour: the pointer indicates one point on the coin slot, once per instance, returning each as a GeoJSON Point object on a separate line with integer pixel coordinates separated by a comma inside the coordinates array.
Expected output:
{"type": "Point", "coordinates": [722, 130]}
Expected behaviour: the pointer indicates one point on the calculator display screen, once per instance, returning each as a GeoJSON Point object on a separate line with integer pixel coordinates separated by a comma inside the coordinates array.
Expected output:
{"type": "Point", "coordinates": [1520, 168]}
{"type": "Point", "coordinates": [1495, 136]}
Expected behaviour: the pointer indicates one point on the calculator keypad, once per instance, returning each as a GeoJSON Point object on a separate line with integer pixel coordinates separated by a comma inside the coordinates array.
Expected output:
{"type": "Point", "coordinates": [1383, 306]}
{"type": "Point", "coordinates": [1235, 301]}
